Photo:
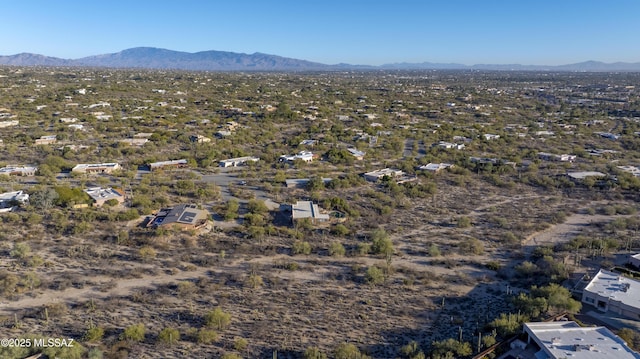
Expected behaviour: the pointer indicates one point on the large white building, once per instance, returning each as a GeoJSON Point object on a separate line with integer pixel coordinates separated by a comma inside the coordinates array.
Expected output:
{"type": "Point", "coordinates": [612, 292]}
{"type": "Point", "coordinates": [566, 339]}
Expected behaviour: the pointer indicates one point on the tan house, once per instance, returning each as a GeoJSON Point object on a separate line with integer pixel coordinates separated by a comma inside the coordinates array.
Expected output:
{"type": "Point", "coordinates": [96, 168]}
{"type": "Point", "coordinates": [18, 171]}
{"type": "Point", "coordinates": [183, 216]}
{"type": "Point", "coordinates": [101, 195]}
{"type": "Point", "coordinates": [46, 140]}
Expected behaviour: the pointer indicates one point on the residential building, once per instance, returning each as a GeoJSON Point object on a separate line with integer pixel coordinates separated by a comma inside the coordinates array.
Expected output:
{"type": "Point", "coordinates": [553, 157]}
{"type": "Point", "coordinates": [489, 137]}
{"type": "Point", "coordinates": [612, 292]}
{"type": "Point", "coordinates": [139, 142]}
{"type": "Point", "coordinates": [199, 139]}
{"type": "Point", "coordinates": [223, 134]}
{"type": "Point", "coordinates": [634, 170]}
{"type": "Point", "coordinates": [183, 216]}
{"type": "Point", "coordinates": [143, 135]}
{"type": "Point", "coordinates": [46, 140]}
{"type": "Point", "coordinates": [305, 156]}
{"type": "Point", "coordinates": [377, 175]}
{"type": "Point", "coordinates": [307, 209]}
{"type": "Point", "coordinates": [357, 154]}
{"type": "Point", "coordinates": [634, 260]}
{"type": "Point", "coordinates": [566, 339]}
{"type": "Point", "coordinates": [239, 161]}
{"type": "Point", "coordinates": [11, 123]}
{"type": "Point", "coordinates": [96, 167]}
{"type": "Point", "coordinates": [154, 166]}
{"type": "Point", "coordinates": [18, 171]}
{"type": "Point", "coordinates": [608, 135]}
{"type": "Point", "coordinates": [101, 195]}
{"type": "Point", "coordinates": [310, 143]}
{"type": "Point", "coordinates": [9, 200]}
{"type": "Point", "coordinates": [435, 167]}
{"type": "Point", "coordinates": [449, 145]}
{"type": "Point", "coordinates": [580, 176]}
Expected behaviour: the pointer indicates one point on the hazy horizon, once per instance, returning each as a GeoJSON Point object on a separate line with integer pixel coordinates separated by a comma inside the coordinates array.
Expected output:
{"type": "Point", "coordinates": [330, 32]}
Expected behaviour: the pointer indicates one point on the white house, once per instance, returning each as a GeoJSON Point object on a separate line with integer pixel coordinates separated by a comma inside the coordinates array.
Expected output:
{"type": "Point", "coordinates": [611, 292]}
{"type": "Point", "coordinates": [553, 157]}
{"type": "Point", "coordinates": [8, 200]}
{"type": "Point", "coordinates": [634, 260]}
{"type": "Point", "coordinates": [305, 156]}
{"type": "Point", "coordinates": [449, 145]}
{"type": "Point", "coordinates": [238, 161]}
{"type": "Point", "coordinates": [307, 209]}
{"type": "Point", "coordinates": [566, 339]}
{"type": "Point", "coordinates": [435, 167]}
{"type": "Point", "coordinates": [489, 137]}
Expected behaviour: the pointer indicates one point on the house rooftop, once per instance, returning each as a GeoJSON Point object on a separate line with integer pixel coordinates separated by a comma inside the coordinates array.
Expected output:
{"type": "Point", "coordinates": [566, 339]}
{"type": "Point", "coordinates": [617, 287]}
{"type": "Point", "coordinates": [585, 174]}
{"type": "Point", "coordinates": [307, 209]}
{"type": "Point", "coordinates": [99, 193]}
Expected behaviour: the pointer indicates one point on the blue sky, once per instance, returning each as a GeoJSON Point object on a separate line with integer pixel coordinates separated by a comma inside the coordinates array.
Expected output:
{"type": "Point", "coordinates": [373, 32]}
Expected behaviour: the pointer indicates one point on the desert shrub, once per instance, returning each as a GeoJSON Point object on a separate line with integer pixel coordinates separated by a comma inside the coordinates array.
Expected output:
{"type": "Point", "coordinates": [374, 275]}
{"type": "Point", "coordinates": [434, 250]}
{"type": "Point", "coordinates": [463, 222]}
{"type": "Point", "coordinates": [147, 254]}
{"type": "Point", "coordinates": [348, 351]}
{"type": "Point", "coordinates": [240, 344]}
{"type": "Point", "coordinates": [254, 281]}
{"type": "Point", "coordinates": [206, 336]}
{"type": "Point", "coordinates": [381, 243]}
{"type": "Point", "coordinates": [169, 336]}
{"type": "Point", "coordinates": [314, 353]}
{"type": "Point", "coordinates": [301, 247]}
{"type": "Point", "coordinates": [458, 349]}
{"type": "Point", "coordinates": [134, 333]}
{"type": "Point", "coordinates": [336, 249]}
{"type": "Point", "coordinates": [94, 334]}
{"type": "Point", "coordinates": [471, 246]}
{"type": "Point", "coordinates": [217, 319]}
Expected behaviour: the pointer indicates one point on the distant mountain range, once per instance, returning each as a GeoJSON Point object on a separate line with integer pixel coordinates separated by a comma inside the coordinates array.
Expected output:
{"type": "Point", "coordinates": [155, 58]}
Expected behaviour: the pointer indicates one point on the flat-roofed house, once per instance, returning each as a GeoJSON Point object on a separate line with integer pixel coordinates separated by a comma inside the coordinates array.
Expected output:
{"type": "Point", "coordinates": [18, 171]}
{"type": "Point", "coordinates": [154, 166]}
{"type": "Point", "coordinates": [46, 140]}
{"type": "Point", "coordinates": [567, 339]}
{"type": "Point", "coordinates": [612, 292]}
{"type": "Point", "coordinates": [377, 175]}
{"type": "Point", "coordinates": [307, 209]}
{"type": "Point", "coordinates": [183, 216]}
{"type": "Point", "coordinates": [101, 195]}
{"type": "Point", "coordinates": [435, 167]}
{"type": "Point", "coordinates": [357, 154]}
{"type": "Point", "coordinates": [634, 260]}
{"type": "Point", "coordinates": [305, 156]}
{"type": "Point", "coordinates": [9, 200]}
{"type": "Point", "coordinates": [239, 161]}
{"type": "Point", "coordinates": [88, 168]}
